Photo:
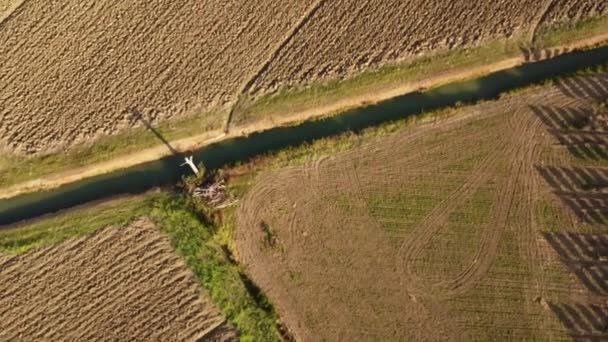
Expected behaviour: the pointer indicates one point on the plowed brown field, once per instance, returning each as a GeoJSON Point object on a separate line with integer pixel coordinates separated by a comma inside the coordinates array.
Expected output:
{"type": "Point", "coordinates": [343, 38]}
{"type": "Point", "coordinates": [557, 10]}
{"type": "Point", "coordinates": [118, 284]}
{"type": "Point", "coordinates": [74, 70]}
{"type": "Point", "coordinates": [441, 231]}
{"type": "Point", "coordinates": [70, 70]}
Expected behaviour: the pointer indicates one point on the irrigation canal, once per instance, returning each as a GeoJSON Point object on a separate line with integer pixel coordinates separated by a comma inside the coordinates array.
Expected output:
{"type": "Point", "coordinates": [167, 171]}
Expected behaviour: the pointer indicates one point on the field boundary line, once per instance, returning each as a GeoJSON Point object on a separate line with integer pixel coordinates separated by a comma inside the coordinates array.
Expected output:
{"type": "Point", "coordinates": [541, 17]}
{"type": "Point", "coordinates": [10, 11]}
{"type": "Point", "coordinates": [58, 179]}
{"type": "Point", "coordinates": [275, 52]}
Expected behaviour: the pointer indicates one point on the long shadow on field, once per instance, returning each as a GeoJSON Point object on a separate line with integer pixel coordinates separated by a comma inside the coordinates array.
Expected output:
{"type": "Point", "coordinates": [574, 179]}
{"type": "Point", "coordinates": [562, 118]}
{"type": "Point", "coordinates": [587, 321]}
{"type": "Point", "coordinates": [535, 54]}
{"type": "Point", "coordinates": [585, 255]}
{"type": "Point", "coordinates": [137, 115]}
{"type": "Point", "coordinates": [582, 189]}
{"type": "Point", "coordinates": [566, 124]}
{"type": "Point", "coordinates": [590, 208]}
{"type": "Point", "coordinates": [585, 191]}
{"type": "Point", "coordinates": [585, 87]}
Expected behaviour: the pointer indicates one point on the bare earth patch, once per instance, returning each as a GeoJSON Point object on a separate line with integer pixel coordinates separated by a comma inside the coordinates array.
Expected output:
{"type": "Point", "coordinates": [438, 232]}
{"type": "Point", "coordinates": [118, 284]}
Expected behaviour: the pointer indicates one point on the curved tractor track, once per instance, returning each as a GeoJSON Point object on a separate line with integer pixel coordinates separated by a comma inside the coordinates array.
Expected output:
{"type": "Point", "coordinates": [511, 147]}
{"type": "Point", "coordinates": [432, 232]}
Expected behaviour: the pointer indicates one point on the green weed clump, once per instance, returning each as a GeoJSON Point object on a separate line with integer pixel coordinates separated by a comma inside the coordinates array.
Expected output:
{"type": "Point", "coordinates": [243, 305]}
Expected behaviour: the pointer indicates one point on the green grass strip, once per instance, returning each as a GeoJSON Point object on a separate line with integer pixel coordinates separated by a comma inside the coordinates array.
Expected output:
{"type": "Point", "coordinates": [72, 223]}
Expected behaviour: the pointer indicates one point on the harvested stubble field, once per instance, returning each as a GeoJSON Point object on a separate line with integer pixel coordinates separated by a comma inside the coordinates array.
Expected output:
{"type": "Point", "coordinates": [117, 284]}
{"type": "Point", "coordinates": [483, 226]}
{"type": "Point", "coordinates": [73, 71]}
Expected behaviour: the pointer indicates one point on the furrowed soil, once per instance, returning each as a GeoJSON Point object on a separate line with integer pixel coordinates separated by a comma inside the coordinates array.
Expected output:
{"type": "Point", "coordinates": [117, 284]}
{"type": "Point", "coordinates": [488, 225]}
{"type": "Point", "coordinates": [339, 40]}
{"type": "Point", "coordinates": [73, 71]}
{"type": "Point", "coordinates": [4, 258]}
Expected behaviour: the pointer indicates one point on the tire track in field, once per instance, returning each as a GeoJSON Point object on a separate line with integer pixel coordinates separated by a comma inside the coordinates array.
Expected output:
{"type": "Point", "coordinates": [9, 10]}
{"type": "Point", "coordinates": [529, 246]}
{"type": "Point", "coordinates": [435, 219]}
{"type": "Point", "coordinates": [513, 148]}
{"type": "Point", "coordinates": [49, 38]}
{"type": "Point", "coordinates": [295, 29]}
{"type": "Point", "coordinates": [522, 134]}
{"type": "Point", "coordinates": [335, 176]}
{"type": "Point", "coordinates": [124, 254]}
{"type": "Point", "coordinates": [264, 66]}
{"type": "Point", "coordinates": [547, 5]}
{"type": "Point", "coordinates": [96, 307]}
{"type": "Point", "coordinates": [56, 257]}
{"type": "Point", "coordinates": [106, 57]}
{"type": "Point", "coordinates": [5, 260]}
{"type": "Point", "coordinates": [112, 292]}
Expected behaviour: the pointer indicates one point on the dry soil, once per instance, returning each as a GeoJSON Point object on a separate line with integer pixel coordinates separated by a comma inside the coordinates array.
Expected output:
{"type": "Point", "coordinates": [122, 284]}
